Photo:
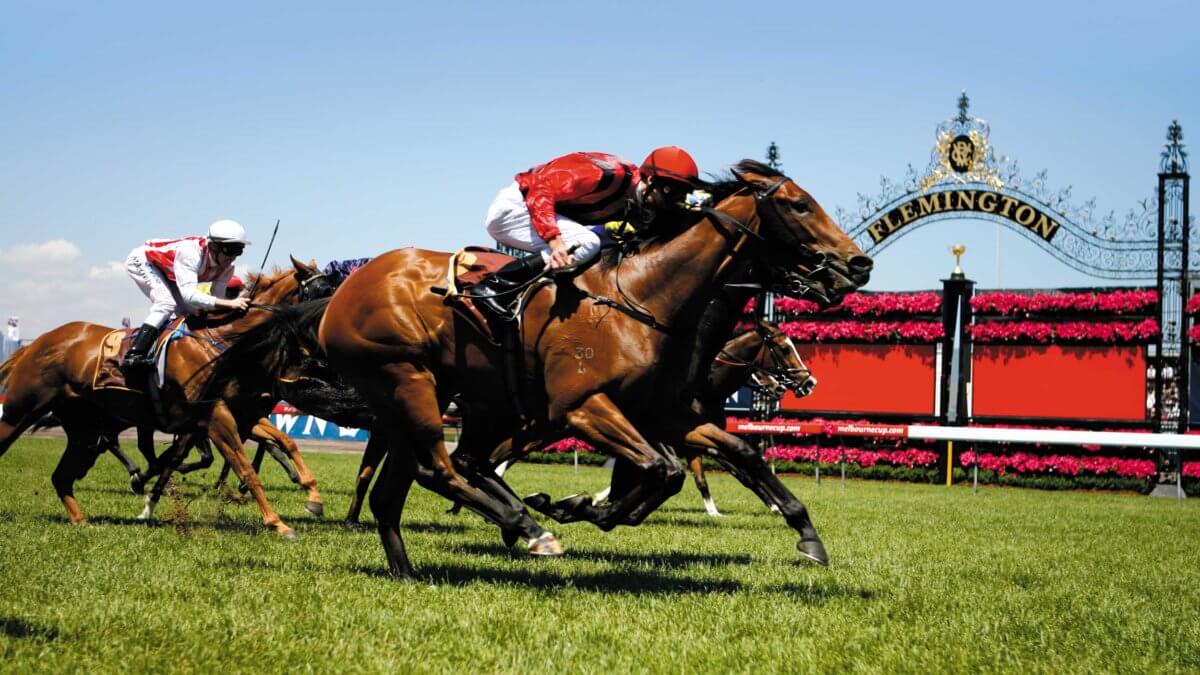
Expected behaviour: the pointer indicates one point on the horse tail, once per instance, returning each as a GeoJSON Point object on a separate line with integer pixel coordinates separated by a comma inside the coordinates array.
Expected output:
{"type": "Point", "coordinates": [6, 368]}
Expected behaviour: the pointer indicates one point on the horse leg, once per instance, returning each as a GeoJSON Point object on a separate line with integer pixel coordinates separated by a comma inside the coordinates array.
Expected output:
{"type": "Point", "coordinates": [83, 448]}
{"type": "Point", "coordinates": [223, 432]}
{"type": "Point", "coordinates": [696, 464]}
{"type": "Point", "coordinates": [387, 504]}
{"type": "Point", "coordinates": [267, 433]}
{"type": "Point", "coordinates": [415, 406]}
{"type": "Point", "coordinates": [206, 457]}
{"type": "Point", "coordinates": [168, 462]}
{"type": "Point", "coordinates": [111, 445]}
{"type": "Point", "coordinates": [751, 469]}
{"type": "Point", "coordinates": [599, 421]}
{"type": "Point", "coordinates": [280, 457]}
{"type": "Point", "coordinates": [256, 464]}
{"type": "Point", "coordinates": [374, 453]}
{"type": "Point", "coordinates": [145, 445]}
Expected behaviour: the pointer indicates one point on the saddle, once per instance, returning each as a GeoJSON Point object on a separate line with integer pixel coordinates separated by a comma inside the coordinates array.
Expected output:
{"type": "Point", "coordinates": [113, 347]}
{"type": "Point", "coordinates": [467, 268]}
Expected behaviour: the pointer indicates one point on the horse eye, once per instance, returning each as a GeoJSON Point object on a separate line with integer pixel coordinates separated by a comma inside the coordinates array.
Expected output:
{"type": "Point", "coordinates": [801, 206]}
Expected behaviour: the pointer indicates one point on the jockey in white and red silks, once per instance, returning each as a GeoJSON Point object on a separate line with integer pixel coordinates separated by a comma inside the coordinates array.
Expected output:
{"type": "Point", "coordinates": [548, 208]}
{"type": "Point", "coordinates": [169, 272]}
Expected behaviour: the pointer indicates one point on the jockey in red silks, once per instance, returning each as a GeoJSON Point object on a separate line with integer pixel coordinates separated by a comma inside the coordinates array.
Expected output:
{"type": "Point", "coordinates": [548, 209]}
{"type": "Point", "coordinates": [169, 271]}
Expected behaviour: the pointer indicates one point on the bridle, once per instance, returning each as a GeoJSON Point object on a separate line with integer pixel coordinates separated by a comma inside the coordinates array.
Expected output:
{"type": "Point", "coordinates": [305, 293]}
{"type": "Point", "coordinates": [738, 236]}
{"type": "Point", "coordinates": [788, 377]}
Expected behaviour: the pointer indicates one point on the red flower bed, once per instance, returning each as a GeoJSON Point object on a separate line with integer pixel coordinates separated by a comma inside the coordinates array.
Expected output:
{"type": "Point", "coordinates": [1071, 331]}
{"type": "Point", "coordinates": [1070, 465]}
{"type": "Point", "coordinates": [909, 457]}
{"type": "Point", "coordinates": [863, 304]}
{"type": "Point", "coordinates": [859, 331]}
{"type": "Point", "coordinates": [1116, 302]}
{"type": "Point", "coordinates": [1193, 305]}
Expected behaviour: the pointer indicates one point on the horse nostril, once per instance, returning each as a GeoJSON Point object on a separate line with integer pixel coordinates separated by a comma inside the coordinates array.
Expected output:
{"type": "Point", "coordinates": [861, 263]}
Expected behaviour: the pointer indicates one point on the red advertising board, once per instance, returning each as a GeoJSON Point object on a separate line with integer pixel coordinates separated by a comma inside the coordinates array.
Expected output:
{"type": "Point", "coordinates": [869, 378]}
{"type": "Point", "coordinates": [1059, 381]}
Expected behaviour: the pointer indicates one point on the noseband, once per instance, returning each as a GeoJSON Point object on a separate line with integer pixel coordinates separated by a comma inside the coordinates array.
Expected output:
{"type": "Point", "coordinates": [790, 378]}
{"type": "Point", "coordinates": [739, 234]}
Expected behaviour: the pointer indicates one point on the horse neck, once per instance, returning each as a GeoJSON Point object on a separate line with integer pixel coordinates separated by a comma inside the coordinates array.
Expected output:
{"type": "Point", "coordinates": [667, 278]}
{"type": "Point", "coordinates": [726, 378]}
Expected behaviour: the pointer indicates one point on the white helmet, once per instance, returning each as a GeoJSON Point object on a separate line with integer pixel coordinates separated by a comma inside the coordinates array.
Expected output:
{"type": "Point", "coordinates": [227, 232]}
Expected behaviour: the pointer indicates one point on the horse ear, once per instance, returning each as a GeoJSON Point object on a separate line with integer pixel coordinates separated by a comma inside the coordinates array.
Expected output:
{"type": "Point", "coordinates": [303, 268]}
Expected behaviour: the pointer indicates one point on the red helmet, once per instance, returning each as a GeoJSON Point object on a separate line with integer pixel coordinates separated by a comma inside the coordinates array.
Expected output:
{"type": "Point", "coordinates": [235, 282]}
{"type": "Point", "coordinates": [671, 162]}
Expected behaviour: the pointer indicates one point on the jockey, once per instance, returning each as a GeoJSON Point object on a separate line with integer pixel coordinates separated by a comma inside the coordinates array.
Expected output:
{"type": "Point", "coordinates": [169, 271]}
{"type": "Point", "coordinates": [547, 209]}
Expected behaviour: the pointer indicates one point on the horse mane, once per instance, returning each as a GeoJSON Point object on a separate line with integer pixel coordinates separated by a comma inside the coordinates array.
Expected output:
{"type": "Point", "coordinates": [264, 347]}
{"type": "Point", "coordinates": [720, 187]}
{"type": "Point", "coordinates": [265, 279]}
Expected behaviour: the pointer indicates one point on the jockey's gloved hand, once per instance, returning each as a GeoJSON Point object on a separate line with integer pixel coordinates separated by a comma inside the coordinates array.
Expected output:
{"type": "Point", "coordinates": [697, 200]}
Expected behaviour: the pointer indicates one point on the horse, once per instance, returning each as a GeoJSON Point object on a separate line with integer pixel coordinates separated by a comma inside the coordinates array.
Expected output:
{"type": "Point", "coordinates": [763, 357]}
{"type": "Point", "coordinates": [597, 367]}
{"type": "Point", "coordinates": [54, 374]}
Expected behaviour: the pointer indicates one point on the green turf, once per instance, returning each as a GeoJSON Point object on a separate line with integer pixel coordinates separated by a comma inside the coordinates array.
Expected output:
{"type": "Point", "coordinates": [923, 579]}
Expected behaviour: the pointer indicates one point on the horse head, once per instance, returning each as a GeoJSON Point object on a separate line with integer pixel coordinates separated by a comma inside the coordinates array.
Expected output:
{"type": "Point", "coordinates": [302, 282]}
{"type": "Point", "coordinates": [778, 366]}
{"type": "Point", "coordinates": [804, 251]}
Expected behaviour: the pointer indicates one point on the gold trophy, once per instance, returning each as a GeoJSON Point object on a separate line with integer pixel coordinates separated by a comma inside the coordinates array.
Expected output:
{"type": "Point", "coordinates": [958, 250]}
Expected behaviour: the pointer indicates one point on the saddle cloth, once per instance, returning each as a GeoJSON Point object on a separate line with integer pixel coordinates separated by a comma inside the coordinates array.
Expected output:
{"type": "Point", "coordinates": [113, 347]}
{"type": "Point", "coordinates": [467, 268]}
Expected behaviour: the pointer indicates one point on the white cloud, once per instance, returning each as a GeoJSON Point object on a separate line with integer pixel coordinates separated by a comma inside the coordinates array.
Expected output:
{"type": "Point", "coordinates": [53, 251]}
{"type": "Point", "coordinates": [48, 284]}
{"type": "Point", "coordinates": [111, 270]}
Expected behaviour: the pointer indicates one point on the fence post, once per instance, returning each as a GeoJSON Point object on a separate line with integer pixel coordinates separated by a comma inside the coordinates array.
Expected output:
{"type": "Point", "coordinates": [956, 358]}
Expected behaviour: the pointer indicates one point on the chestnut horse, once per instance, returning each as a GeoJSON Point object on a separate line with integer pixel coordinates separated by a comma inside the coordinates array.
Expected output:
{"type": "Point", "coordinates": [602, 355]}
{"type": "Point", "coordinates": [54, 374]}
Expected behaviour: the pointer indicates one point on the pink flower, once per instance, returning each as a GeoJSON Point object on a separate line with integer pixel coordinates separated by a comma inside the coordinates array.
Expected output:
{"type": "Point", "coordinates": [1023, 463]}
{"type": "Point", "coordinates": [1122, 301]}
{"type": "Point", "coordinates": [863, 331]}
{"type": "Point", "coordinates": [1069, 331]}
{"type": "Point", "coordinates": [868, 304]}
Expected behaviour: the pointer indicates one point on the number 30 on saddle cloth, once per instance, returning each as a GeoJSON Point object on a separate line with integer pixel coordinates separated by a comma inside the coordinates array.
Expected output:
{"type": "Point", "coordinates": [113, 347]}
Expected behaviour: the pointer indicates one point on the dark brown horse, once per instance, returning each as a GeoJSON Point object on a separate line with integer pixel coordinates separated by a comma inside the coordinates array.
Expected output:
{"type": "Point", "coordinates": [763, 357]}
{"type": "Point", "coordinates": [55, 374]}
{"type": "Point", "coordinates": [597, 351]}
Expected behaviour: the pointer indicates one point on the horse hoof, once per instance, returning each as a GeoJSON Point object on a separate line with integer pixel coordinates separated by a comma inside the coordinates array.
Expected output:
{"type": "Point", "coordinates": [351, 525]}
{"type": "Point", "coordinates": [546, 545]}
{"type": "Point", "coordinates": [538, 501]}
{"type": "Point", "coordinates": [137, 484]}
{"type": "Point", "coordinates": [454, 510]}
{"type": "Point", "coordinates": [290, 535]}
{"type": "Point", "coordinates": [315, 508]}
{"type": "Point", "coordinates": [814, 550]}
{"type": "Point", "coordinates": [509, 538]}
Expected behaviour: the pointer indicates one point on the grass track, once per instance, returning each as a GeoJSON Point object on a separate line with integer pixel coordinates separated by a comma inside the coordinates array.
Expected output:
{"type": "Point", "coordinates": [922, 579]}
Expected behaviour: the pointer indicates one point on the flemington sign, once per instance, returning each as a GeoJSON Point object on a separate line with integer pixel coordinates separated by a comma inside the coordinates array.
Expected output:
{"type": "Point", "coordinates": [965, 180]}
{"type": "Point", "coordinates": [999, 204]}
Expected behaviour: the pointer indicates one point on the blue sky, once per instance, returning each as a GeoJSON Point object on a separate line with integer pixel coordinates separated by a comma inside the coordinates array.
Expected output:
{"type": "Point", "coordinates": [385, 125]}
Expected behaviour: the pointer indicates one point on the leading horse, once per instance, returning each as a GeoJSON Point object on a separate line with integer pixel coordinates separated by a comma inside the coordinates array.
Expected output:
{"type": "Point", "coordinates": [596, 350]}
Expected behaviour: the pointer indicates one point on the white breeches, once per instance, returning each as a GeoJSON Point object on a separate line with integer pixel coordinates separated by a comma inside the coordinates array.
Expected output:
{"type": "Point", "coordinates": [163, 294]}
{"type": "Point", "coordinates": [508, 222]}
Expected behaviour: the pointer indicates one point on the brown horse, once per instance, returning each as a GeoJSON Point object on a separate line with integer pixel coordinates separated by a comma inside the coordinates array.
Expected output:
{"type": "Point", "coordinates": [763, 357]}
{"type": "Point", "coordinates": [55, 374]}
{"type": "Point", "coordinates": [598, 367]}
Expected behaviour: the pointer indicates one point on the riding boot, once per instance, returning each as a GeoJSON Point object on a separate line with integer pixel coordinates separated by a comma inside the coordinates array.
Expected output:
{"type": "Point", "coordinates": [712, 331]}
{"type": "Point", "coordinates": [138, 356]}
{"type": "Point", "coordinates": [499, 289]}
